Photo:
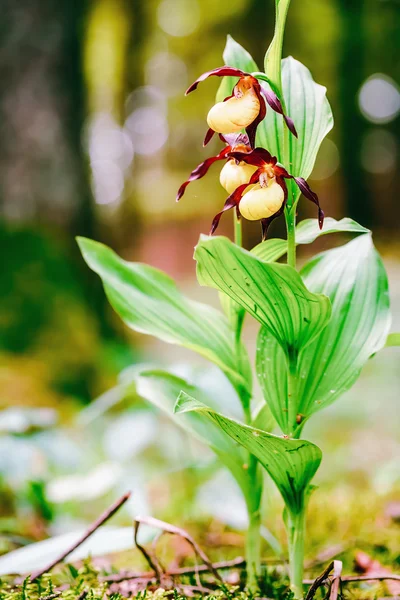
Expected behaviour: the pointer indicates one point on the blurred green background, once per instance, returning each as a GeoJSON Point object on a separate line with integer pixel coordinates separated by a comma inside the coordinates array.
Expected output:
{"type": "Point", "coordinates": [96, 137]}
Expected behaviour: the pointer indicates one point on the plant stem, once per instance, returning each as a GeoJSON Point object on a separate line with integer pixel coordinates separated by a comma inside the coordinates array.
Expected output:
{"type": "Point", "coordinates": [273, 58]}
{"type": "Point", "coordinates": [290, 215]}
{"type": "Point", "coordinates": [292, 391]}
{"type": "Point", "coordinates": [253, 550]}
{"type": "Point", "coordinates": [237, 228]}
{"type": "Point", "coordinates": [253, 535]}
{"type": "Point", "coordinates": [296, 530]}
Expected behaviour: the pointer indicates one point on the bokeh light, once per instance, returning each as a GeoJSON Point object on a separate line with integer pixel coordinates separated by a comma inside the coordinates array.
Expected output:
{"type": "Point", "coordinates": [379, 151]}
{"type": "Point", "coordinates": [179, 17]}
{"type": "Point", "coordinates": [379, 99]}
{"type": "Point", "coordinates": [148, 129]}
{"type": "Point", "coordinates": [168, 72]}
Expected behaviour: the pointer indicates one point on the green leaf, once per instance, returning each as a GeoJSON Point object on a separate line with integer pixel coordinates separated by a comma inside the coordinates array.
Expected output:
{"type": "Point", "coordinates": [162, 389]}
{"type": "Point", "coordinates": [307, 105]}
{"type": "Point", "coordinates": [234, 55]}
{"type": "Point", "coordinates": [290, 463]}
{"type": "Point", "coordinates": [148, 301]}
{"type": "Point", "coordinates": [307, 231]}
{"type": "Point", "coordinates": [393, 339]}
{"type": "Point", "coordinates": [273, 294]}
{"type": "Point", "coordinates": [354, 278]}
{"type": "Point", "coordinates": [270, 250]}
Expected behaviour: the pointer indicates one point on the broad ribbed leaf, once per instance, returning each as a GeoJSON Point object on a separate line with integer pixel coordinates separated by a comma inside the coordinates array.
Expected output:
{"type": "Point", "coordinates": [307, 105]}
{"type": "Point", "coordinates": [273, 294]}
{"type": "Point", "coordinates": [354, 278]}
{"type": "Point", "coordinates": [307, 231]}
{"type": "Point", "coordinates": [291, 463]}
{"type": "Point", "coordinates": [234, 55]}
{"type": "Point", "coordinates": [148, 301]}
{"type": "Point", "coordinates": [162, 389]}
{"type": "Point", "coordinates": [270, 250]}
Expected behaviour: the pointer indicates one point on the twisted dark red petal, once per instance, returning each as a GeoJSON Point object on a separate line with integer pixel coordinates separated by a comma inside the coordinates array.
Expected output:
{"type": "Point", "coordinates": [265, 223]}
{"type": "Point", "coordinates": [233, 200]}
{"type": "Point", "coordinates": [201, 170]}
{"type": "Point", "coordinates": [209, 135]}
{"type": "Point", "coordinates": [276, 105]}
{"type": "Point", "coordinates": [251, 129]}
{"type": "Point", "coordinates": [257, 157]}
{"type": "Point", "coordinates": [308, 193]}
{"type": "Point", "coordinates": [219, 72]}
{"type": "Point", "coordinates": [281, 172]}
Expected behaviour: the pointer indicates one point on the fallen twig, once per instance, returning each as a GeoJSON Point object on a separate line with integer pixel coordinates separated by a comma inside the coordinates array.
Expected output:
{"type": "Point", "coordinates": [336, 579]}
{"type": "Point", "coordinates": [318, 581]}
{"type": "Point", "coordinates": [93, 527]}
{"type": "Point", "coordinates": [227, 564]}
{"type": "Point", "coordinates": [350, 578]}
{"type": "Point", "coordinates": [172, 529]}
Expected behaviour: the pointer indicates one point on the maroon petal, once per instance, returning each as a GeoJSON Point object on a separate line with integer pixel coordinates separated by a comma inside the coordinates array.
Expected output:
{"type": "Point", "coordinates": [208, 136]}
{"type": "Point", "coordinates": [308, 193]}
{"type": "Point", "coordinates": [276, 105]}
{"type": "Point", "coordinates": [232, 201]}
{"type": "Point", "coordinates": [201, 170]}
{"type": "Point", "coordinates": [265, 223]}
{"type": "Point", "coordinates": [219, 72]}
{"type": "Point", "coordinates": [281, 172]}
{"type": "Point", "coordinates": [257, 157]}
{"type": "Point", "coordinates": [251, 130]}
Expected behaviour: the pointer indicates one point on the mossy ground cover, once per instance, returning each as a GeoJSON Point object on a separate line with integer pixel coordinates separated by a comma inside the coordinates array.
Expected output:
{"type": "Point", "coordinates": [340, 526]}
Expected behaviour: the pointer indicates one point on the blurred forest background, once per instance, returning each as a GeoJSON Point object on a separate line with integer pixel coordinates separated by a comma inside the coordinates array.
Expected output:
{"type": "Point", "coordinates": [96, 137]}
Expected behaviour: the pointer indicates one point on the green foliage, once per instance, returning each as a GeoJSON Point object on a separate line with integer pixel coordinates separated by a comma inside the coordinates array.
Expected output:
{"type": "Point", "coordinates": [307, 105]}
{"type": "Point", "coordinates": [148, 301]}
{"type": "Point", "coordinates": [273, 294]}
{"type": "Point", "coordinates": [162, 389]}
{"type": "Point", "coordinates": [291, 463]}
{"type": "Point", "coordinates": [355, 280]}
{"type": "Point", "coordinates": [307, 231]}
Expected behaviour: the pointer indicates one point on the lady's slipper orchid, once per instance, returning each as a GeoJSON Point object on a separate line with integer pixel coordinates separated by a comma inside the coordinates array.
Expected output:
{"type": "Point", "coordinates": [264, 196]}
{"type": "Point", "coordinates": [245, 108]}
{"type": "Point", "coordinates": [233, 173]}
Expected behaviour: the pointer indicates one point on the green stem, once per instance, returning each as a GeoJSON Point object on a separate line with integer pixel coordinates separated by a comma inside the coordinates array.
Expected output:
{"type": "Point", "coordinates": [237, 228]}
{"type": "Point", "coordinates": [253, 550]}
{"type": "Point", "coordinates": [296, 530]}
{"type": "Point", "coordinates": [273, 57]}
{"type": "Point", "coordinates": [290, 216]}
{"type": "Point", "coordinates": [292, 392]}
{"type": "Point", "coordinates": [253, 536]}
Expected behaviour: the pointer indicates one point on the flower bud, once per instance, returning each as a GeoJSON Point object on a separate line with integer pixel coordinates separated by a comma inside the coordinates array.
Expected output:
{"type": "Point", "coordinates": [235, 114]}
{"type": "Point", "coordinates": [233, 174]}
{"type": "Point", "coordinates": [262, 202]}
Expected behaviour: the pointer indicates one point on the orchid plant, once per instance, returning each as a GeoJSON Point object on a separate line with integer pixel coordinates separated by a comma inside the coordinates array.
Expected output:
{"type": "Point", "coordinates": [319, 326]}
